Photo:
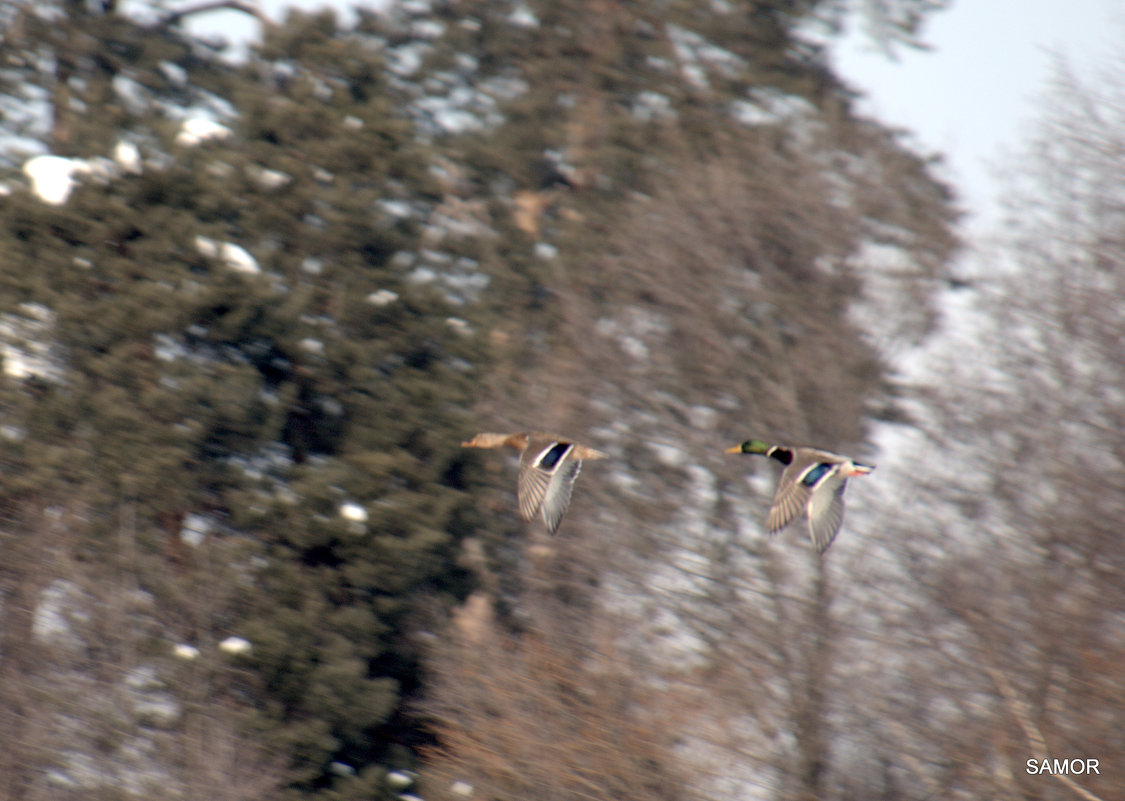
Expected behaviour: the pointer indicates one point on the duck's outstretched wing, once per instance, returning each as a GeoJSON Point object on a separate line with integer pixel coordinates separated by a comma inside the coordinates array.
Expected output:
{"type": "Point", "coordinates": [540, 464]}
{"type": "Point", "coordinates": [789, 502]}
{"type": "Point", "coordinates": [826, 511]}
{"type": "Point", "coordinates": [557, 498]}
{"type": "Point", "coordinates": [530, 489]}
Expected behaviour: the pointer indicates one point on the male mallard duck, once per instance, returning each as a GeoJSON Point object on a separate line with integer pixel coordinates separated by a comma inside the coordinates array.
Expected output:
{"type": "Point", "coordinates": [549, 464]}
{"type": "Point", "coordinates": [811, 484]}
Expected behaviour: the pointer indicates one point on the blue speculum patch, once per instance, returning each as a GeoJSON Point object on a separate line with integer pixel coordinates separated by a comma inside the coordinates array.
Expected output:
{"type": "Point", "coordinates": [816, 474]}
{"type": "Point", "coordinates": [551, 457]}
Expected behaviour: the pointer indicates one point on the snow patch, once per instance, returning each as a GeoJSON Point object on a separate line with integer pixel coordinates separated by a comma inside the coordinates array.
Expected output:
{"type": "Point", "coordinates": [406, 60]}
{"type": "Point", "coordinates": [460, 280]}
{"type": "Point", "coordinates": [382, 297]}
{"type": "Point", "coordinates": [174, 73]}
{"type": "Point", "coordinates": [634, 347]}
{"type": "Point", "coordinates": [353, 512]}
{"type": "Point", "coordinates": [459, 326]}
{"type": "Point", "coordinates": [148, 697]}
{"type": "Point", "coordinates": [400, 779]}
{"type": "Point", "coordinates": [427, 29]}
{"type": "Point", "coordinates": [235, 257]}
{"type": "Point", "coordinates": [695, 53]}
{"type": "Point", "coordinates": [397, 208]}
{"type": "Point", "coordinates": [668, 455]}
{"type": "Point", "coordinates": [135, 97]}
{"type": "Point", "coordinates": [186, 652]}
{"type": "Point", "coordinates": [651, 106]}
{"type": "Point", "coordinates": [24, 343]}
{"type": "Point", "coordinates": [197, 130]}
{"type": "Point", "coordinates": [523, 17]}
{"type": "Point", "coordinates": [60, 603]}
{"type": "Point", "coordinates": [235, 645]}
{"type": "Point", "coordinates": [267, 178]}
{"type": "Point", "coordinates": [128, 157]}
{"type": "Point", "coordinates": [53, 178]}
{"type": "Point", "coordinates": [195, 529]}
{"type": "Point", "coordinates": [505, 87]}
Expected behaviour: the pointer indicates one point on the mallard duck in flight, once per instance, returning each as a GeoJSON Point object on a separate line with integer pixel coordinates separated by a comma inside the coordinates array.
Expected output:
{"type": "Point", "coordinates": [811, 485]}
{"type": "Point", "coordinates": [549, 464]}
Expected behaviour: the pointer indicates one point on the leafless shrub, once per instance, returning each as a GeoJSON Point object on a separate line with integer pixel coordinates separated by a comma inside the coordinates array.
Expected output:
{"type": "Point", "coordinates": [546, 714]}
{"type": "Point", "coordinates": [96, 703]}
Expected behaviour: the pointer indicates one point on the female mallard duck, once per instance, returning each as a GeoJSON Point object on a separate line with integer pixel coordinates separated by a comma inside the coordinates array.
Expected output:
{"type": "Point", "coordinates": [549, 464]}
{"type": "Point", "coordinates": [811, 484]}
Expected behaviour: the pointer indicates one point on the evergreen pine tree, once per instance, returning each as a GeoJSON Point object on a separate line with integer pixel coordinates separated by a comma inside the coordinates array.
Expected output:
{"type": "Point", "coordinates": [240, 332]}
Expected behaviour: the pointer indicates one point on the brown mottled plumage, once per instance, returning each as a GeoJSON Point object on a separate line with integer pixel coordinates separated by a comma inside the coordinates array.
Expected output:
{"type": "Point", "coordinates": [549, 464]}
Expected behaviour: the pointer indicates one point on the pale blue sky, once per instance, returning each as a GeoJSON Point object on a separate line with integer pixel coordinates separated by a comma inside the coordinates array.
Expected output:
{"type": "Point", "coordinates": [974, 93]}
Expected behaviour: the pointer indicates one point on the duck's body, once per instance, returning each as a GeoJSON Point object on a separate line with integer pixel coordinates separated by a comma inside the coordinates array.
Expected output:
{"type": "Point", "coordinates": [549, 465]}
{"type": "Point", "coordinates": [811, 485]}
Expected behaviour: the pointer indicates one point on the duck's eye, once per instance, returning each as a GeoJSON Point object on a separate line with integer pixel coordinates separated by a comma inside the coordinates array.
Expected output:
{"type": "Point", "coordinates": [815, 474]}
{"type": "Point", "coordinates": [550, 457]}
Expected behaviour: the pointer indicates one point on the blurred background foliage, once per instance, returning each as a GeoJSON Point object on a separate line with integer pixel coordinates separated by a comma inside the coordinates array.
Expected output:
{"type": "Point", "coordinates": [245, 557]}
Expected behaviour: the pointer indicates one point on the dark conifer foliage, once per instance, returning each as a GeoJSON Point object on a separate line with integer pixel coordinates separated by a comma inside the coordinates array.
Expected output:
{"type": "Point", "coordinates": [235, 336]}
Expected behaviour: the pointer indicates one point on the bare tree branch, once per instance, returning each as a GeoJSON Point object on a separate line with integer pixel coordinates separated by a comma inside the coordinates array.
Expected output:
{"type": "Point", "coordinates": [1035, 740]}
